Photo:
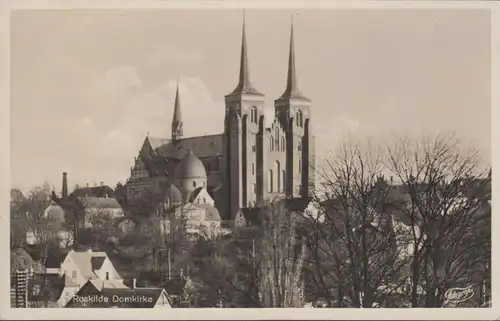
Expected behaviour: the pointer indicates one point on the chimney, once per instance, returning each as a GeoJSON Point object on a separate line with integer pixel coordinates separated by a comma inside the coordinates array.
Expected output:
{"type": "Point", "coordinates": [134, 283]}
{"type": "Point", "coordinates": [64, 192]}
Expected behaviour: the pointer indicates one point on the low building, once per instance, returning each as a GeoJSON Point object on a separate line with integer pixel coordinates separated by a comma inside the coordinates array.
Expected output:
{"type": "Point", "coordinates": [94, 209]}
{"type": "Point", "coordinates": [80, 267]}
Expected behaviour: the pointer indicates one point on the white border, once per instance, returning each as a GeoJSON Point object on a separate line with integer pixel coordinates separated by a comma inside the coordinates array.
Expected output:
{"type": "Point", "coordinates": [244, 314]}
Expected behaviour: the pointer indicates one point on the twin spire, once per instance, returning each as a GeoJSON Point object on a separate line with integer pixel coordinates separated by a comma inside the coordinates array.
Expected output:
{"type": "Point", "coordinates": [244, 84]}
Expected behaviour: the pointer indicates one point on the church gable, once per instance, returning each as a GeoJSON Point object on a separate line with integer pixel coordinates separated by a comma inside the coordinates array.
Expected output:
{"type": "Point", "coordinates": [201, 196]}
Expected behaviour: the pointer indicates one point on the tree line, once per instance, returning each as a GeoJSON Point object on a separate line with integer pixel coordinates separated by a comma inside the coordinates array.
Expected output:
{"type": "Point", "coordinates": [390, 225]}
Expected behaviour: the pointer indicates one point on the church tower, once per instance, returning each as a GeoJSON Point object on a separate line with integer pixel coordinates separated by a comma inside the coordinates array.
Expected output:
{"type": "Point", "coordinates": [293, 110]}
{"type": "Point", "coordinates": [244, 120]}
{"type": "Point", "coordinates": [177, 130]}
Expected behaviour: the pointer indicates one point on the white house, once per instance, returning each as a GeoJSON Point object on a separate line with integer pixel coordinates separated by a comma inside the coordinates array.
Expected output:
{"type": "Point", "coordinates": [100, 207]}
{"type": "Point", "coordinates": [81, 267]}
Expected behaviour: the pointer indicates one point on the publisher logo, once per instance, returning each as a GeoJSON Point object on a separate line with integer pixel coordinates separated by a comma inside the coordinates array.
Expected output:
{"type": "Point", "coordinates": [457, 295]}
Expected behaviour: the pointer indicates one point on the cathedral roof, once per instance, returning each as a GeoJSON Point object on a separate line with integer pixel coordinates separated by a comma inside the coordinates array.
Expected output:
{"type": "Point", "coordinates": [190, 166]}
{"type": "Point", "coordinates": [202, 147]}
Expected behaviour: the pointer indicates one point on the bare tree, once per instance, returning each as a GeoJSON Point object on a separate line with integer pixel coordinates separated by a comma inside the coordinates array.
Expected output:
{"type": "Point", "coordinates": [353, 252]}
{"type": "Point", "coordinates": [445, 211]}
{"type": "Point", "coordinates": [282, 256]}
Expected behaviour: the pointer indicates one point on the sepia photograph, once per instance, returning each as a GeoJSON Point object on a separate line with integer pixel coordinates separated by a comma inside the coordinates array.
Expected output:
{"type": "Point", "coordinates": [246, 157]}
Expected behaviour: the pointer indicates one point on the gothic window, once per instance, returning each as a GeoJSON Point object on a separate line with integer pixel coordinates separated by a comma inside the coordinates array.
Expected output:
{"type": "Point", "coordinates": [272, 143]}
{"type": "Point", "coordinates": [278, 181]}
{"type": "Point", "coordinates": [300, 118]}
{"type": "Point", "coordinates": [300, 166]}
{"type": "Point", "coordinates": [253, 115]}
{"type": "Point", "coordinates": [254, 188]}
{"type": "Point", "coordinates": [253, 168]}
{"type": "Point", "coordinates": [299, 146]}
{"type": "Point", "coordinates": [253, 147]}
{"type": "Point", "coordinates": [283, 179]}
{"type": "Point", "coordinates": [107, 275]}
{"type": "Point", "coordinates": [194, 184]}
{"type": "Point", "coordinates": [270, 178]}
{"type": "Point", "coordinates": [283, 143]}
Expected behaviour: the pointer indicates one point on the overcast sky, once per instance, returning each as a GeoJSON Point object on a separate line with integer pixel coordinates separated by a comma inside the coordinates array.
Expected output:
{"type": "Point", "coordinates": [87, 86]}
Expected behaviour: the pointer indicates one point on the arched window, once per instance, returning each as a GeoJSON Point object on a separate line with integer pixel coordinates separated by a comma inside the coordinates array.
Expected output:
{"type": "Point", "coordinates": [270, 178]}
{"type": "Point", "coordinates": [253, 115]}
{"type": "Point", "coordinates": [283, 143]}
{"type": "Point", "coordinates": [283, 179]}
{"type": "Point", "coordinates": [297, 118]}
{"type": "Point", "coordinates": [278, 181]}
{"type": "Point", "coordinates": [272, 143]}
{"type": "Point", "coordinates": [300, 118]}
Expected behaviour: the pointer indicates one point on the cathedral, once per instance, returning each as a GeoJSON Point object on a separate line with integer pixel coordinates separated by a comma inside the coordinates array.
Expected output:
{"type": "Point", "coordinates": [244, 166]}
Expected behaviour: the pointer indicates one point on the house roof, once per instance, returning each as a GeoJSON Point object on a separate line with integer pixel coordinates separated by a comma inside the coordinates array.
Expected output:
{"type": "Point", "coordinates": [96, 262]}
{"type": "Point", "coordinates": [108, 284]}
{"type": "Point", "coordinates": [99, 203]}
{"type": "Point", "coordinates": [54, 211]}
{"type": "Point", "coordinates": [119, 220]}
{"type": "Point", "coordinates": [96, 191]}
{"type": "Point", "coordinates": [83, 261]}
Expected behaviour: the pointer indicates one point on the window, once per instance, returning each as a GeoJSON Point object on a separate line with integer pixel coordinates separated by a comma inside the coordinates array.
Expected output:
{"type": "Point", "coordinates": [299, 146]}
{"type": "Point", "coordinates": [283, 179]}
{"type": "Point", "coordinates": [73, 274]}
{"type": "Point", "coordinates": [253, 147]}
{"type": "Point", "coordinates": [300, 118]}
{"type": "Point", "coordinates": [194, 184]}
{"type": "Point", "coordinates": [254, 188]}
{"type": "Point", "coordinates": [107, 275]}
{"type": "Point", "coordinates": [283, 143]}
{"type": "Point", "coordinates": [272, 143]}
{"type": "Point", "coordinates": [270, 178]}
{"type": "Point", "coordinates": [253, 168]}
{"type": "Point", "coordinates": [278, 181]}
{"type": "Point", "coordinates": [204, 200]}
{"type": "Point", "coordinates": [253, 115]}
{"type": "Point", "coordinates": [300, 166]}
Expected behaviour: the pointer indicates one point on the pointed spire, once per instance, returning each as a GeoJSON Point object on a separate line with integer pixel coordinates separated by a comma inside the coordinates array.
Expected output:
{"type": "Point", "coordinates": [244, 84]}
{"type": "Point", "coordinates": [177, 131]}
{"type": "Point", "coordinates": [292, 89]}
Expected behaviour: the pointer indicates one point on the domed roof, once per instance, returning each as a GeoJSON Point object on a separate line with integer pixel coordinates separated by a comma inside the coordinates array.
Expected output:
{"type": "Point", "coordinates": [190, 166]}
